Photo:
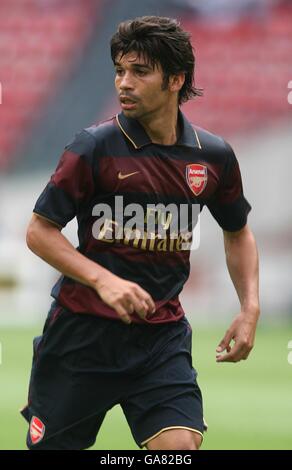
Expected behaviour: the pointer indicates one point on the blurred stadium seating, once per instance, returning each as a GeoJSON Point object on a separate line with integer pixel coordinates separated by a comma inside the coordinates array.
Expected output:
{"type": "Point", "coordinates": [243, 67]}
{"type": "Point", "coordinates": [39, 41]}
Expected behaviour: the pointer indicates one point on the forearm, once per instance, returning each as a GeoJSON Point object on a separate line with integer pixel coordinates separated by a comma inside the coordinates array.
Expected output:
{"type": "Point", "coordinates": [45, 239]}
{"type": "Point", "coordinates": [47, 242]}
{"type": "Point", "coordinates": [243, 266]}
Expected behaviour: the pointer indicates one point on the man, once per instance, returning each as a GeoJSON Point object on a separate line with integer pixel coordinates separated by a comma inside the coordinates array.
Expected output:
{"type": "Point", "coordinates": [116, 332]}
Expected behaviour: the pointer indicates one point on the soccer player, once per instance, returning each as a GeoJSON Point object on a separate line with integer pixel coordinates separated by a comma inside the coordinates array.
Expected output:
{"type": "Point", "coordinates": [116, 332]}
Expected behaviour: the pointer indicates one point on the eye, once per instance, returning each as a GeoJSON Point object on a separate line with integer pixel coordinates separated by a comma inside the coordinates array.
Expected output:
{"type": "Point", "coordinates": [119, 71]}
{"type": "Point", "coordinates": [141, 73]}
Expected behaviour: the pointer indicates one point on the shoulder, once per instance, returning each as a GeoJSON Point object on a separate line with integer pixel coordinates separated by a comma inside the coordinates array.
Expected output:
{"type": "Point", "coordinates": [212, 142]}
{"type": "Point", "coordinates": [90, 139]}
{"type": "Point", "coordinates": [215, 149]}
{"type": "Point", "coordinates": [103, 131]}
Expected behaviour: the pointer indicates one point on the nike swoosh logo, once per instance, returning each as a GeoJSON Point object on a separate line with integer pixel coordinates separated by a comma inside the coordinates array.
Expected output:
{"type": "Point", "coordinates": [122, 177]}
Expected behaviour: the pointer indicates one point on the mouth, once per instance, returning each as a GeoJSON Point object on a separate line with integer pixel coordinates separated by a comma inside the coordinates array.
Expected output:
{"type": "Point", "coordinates": [127, 103]}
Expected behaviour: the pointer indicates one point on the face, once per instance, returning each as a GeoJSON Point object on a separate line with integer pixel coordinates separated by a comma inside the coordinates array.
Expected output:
{"type": "Point", "coordinates": [139, 86]}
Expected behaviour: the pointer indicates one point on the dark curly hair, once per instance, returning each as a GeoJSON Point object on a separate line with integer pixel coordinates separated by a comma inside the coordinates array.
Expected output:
{"type": "Point", "coordinates": [159, 40]}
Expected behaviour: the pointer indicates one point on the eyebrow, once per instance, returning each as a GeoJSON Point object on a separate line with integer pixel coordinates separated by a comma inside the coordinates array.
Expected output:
{"type": "Point", "coordinates": [137, 66]}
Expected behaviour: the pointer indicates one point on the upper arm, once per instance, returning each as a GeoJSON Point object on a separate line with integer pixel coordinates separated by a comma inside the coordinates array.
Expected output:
{"type": "Point", "coordinates": [231, 235]}
{"type": "Point", "coordinates": [37, 225]}
{"type": "Point", "coordinates": [42, 222]}
{"type": "Point", "coordinates": [37, 228]}
{"type": "Point", "coordinates": [240, 238]}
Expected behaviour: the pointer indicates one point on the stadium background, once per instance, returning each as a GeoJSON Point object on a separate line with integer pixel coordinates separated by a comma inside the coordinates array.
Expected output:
{"type": "Point", "coordinates": [56, 77]}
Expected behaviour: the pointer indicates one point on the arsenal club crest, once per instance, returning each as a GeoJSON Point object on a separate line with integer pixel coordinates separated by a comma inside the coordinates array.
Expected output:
{"type": "Point", "coordinates": [196, 176]}
{"type": "Point", "coordinates": [36, 430]}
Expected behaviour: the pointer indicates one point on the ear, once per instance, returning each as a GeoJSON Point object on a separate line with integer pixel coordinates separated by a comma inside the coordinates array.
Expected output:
{"type": "Point", "coordinates": [176, 82]}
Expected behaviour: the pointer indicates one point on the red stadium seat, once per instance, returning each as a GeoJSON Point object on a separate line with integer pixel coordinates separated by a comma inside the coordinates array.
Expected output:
{"type": "Point", "coordinates": [38, 44]}
{"type": "Point", "coordinates": [244, 70]}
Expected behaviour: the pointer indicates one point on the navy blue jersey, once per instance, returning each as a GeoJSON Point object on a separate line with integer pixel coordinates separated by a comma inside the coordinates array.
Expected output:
{"type": "Point", "coordinates": [117, 159]}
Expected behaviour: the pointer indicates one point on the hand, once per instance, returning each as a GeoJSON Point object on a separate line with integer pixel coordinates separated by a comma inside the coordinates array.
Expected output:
{"type": "Point", "coordinates": [125, 297]}
{"type": "Point", "coordinates": [242, 332]}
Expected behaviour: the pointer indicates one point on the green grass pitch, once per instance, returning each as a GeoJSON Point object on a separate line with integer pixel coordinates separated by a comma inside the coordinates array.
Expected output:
{"type": "Point", "coordinates": [248, 405]}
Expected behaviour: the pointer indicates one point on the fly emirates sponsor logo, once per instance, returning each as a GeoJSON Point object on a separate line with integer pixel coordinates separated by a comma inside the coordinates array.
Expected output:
{"type": "Point", "coordinates": [153, 228]}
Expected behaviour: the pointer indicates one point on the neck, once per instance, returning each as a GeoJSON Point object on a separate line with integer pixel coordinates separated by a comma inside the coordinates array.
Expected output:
{"type": "Point", "coordinates": [162, 127]}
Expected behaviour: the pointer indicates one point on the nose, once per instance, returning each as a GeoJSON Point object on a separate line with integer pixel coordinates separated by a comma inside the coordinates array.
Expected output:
{"type": "Point", "coordinates": [126, 82]}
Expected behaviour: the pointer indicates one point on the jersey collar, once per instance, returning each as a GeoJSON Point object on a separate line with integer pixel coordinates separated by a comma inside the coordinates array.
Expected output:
{"type": "Point", "coordinates": [136, 134]}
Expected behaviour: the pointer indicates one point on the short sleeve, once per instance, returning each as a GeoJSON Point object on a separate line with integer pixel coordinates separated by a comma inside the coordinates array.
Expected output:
{"type": "Point", "coordinates": [72, 183]}
{"type": "Point", "coordinates": [229, 206]}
